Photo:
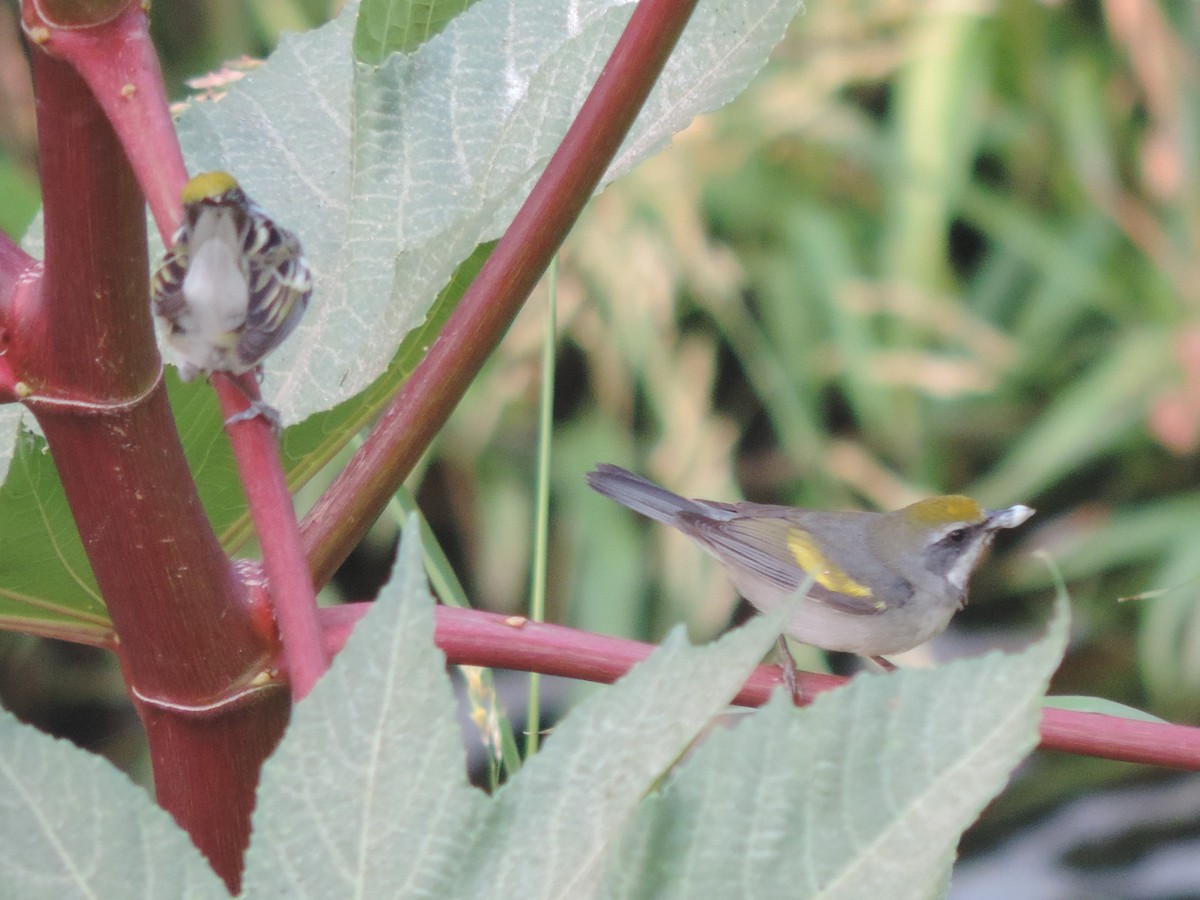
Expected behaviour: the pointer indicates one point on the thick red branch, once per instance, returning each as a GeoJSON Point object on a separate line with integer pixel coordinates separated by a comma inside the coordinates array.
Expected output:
{"type": "Point", "coordinates": [405, 430]}
{"type": "Point", "coordinates": [116, 60]}
{"type": "Point", "coordinates": [86, 352]}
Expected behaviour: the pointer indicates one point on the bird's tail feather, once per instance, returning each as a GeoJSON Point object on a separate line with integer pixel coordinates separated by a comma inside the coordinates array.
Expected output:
{"type": "Point", "coordinates": [640, 495]}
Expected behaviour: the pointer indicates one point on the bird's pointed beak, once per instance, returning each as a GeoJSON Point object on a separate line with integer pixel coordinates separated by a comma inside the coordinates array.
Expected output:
{"type": "Point", "coordinates": [1008, 518]}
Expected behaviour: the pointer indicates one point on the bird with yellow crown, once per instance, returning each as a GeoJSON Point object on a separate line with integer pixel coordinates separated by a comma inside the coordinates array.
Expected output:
{"type": "Point", "coordinates": [233, 285]}
{"type": "Point", "coordinates": [882, 583]}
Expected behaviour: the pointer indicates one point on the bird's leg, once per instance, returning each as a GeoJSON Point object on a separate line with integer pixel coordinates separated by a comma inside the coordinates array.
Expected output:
{"type": "Point", "coordinates": [256, 406]}
{"type": "Point", "coordinates": [883, 663]}
{"type": "Point", "coordinates": [254, 410]}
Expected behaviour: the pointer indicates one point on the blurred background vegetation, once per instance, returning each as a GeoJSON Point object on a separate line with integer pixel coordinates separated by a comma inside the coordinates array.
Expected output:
{"type": "Point", "coordinates": [936, 247]}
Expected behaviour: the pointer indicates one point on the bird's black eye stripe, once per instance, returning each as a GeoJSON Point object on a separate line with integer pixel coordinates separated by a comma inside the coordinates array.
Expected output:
{"type": "Point", "coordinates": [957, 536]}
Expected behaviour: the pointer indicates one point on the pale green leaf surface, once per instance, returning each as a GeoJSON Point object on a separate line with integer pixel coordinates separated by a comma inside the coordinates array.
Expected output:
{"type": "Point", "coordinates": [863, 794]}
{"type": "Point", "coordinates": [576, 795]}
{"type": "Point", "coordinates": [367, 794]}
{"type": "Point", "coordinates": [393, 174]}
{"type": "Point", "coordinates": [71, 825]}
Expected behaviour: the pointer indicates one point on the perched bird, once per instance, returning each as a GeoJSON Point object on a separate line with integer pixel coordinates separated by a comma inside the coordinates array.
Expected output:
{"type": "Point", "coordinates": [883, 583]}
{"type": "Point", "coordinates": [233, 285]}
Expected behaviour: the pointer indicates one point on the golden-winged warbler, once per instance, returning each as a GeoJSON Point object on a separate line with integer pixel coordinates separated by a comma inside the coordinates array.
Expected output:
{"type": "Point", "coordinates": [883, 583]}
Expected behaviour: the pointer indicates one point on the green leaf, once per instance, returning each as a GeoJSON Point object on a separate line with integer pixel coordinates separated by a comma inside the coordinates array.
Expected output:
{"type": "Point", "coordinates": [71, 825]}
{"type": "Point", "coordinates": [372, 762]}
{"type": "Point", "coordinates": [863, 794]}
{"type": "Point", "coordinates": [392, 175]}
{"type": "Point", "coordinates": [384, 27]}
{"type": "Point", "coordinates": [46, 582]}
{"type": "Point", "coordinates": [577, 794]}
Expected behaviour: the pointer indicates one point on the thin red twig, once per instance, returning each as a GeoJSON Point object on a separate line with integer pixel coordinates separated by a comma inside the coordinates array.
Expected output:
{"type": "Point", "coordinates": [256, 450]}
{"type": "Point", "coordinates": [471, 637]}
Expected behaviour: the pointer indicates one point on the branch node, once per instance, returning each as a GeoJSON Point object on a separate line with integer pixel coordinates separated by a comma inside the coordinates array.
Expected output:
{"type": "Point", "coordinates": [265, 679]}
{"type": "Point", "coordinates": [88, 407]}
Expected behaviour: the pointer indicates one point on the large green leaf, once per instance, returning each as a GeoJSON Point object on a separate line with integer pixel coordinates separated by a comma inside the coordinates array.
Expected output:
{"type": "Point", "coordinates": [372, 762]}
{"type": "Point", "coordinates": [394, 175]}
{"type": "Point", "coordinates": [71, 825]}
{"type": "Point", "coordinates": [578, 793]}
{"type": "Point", "coordinates": [864, 794]}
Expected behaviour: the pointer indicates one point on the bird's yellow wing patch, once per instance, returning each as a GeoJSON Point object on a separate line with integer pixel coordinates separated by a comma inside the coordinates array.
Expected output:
{"type": "Point", "coordinates": [810, 558]}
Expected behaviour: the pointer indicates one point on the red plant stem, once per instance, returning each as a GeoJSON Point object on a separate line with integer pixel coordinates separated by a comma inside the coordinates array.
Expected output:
{"type": "Point", "coordinates": [256, 450]}
{"type": "Point", "coordinates": [471, 637]}
{"type": "Point", "coordinates": [1115, 737]}
{"type": "Point", "coordinates": [359, 494]}
{"type": "Point", "coordinates": [82, 346]}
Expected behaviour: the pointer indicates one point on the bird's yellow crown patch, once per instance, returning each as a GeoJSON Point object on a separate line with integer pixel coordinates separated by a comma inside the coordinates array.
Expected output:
{"type": "Point", "coordinates": [944, 510]}
{"type": "Point", "coordinates": [207, 186]}
{"type": "Point", "coordinates": [815, 563]}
